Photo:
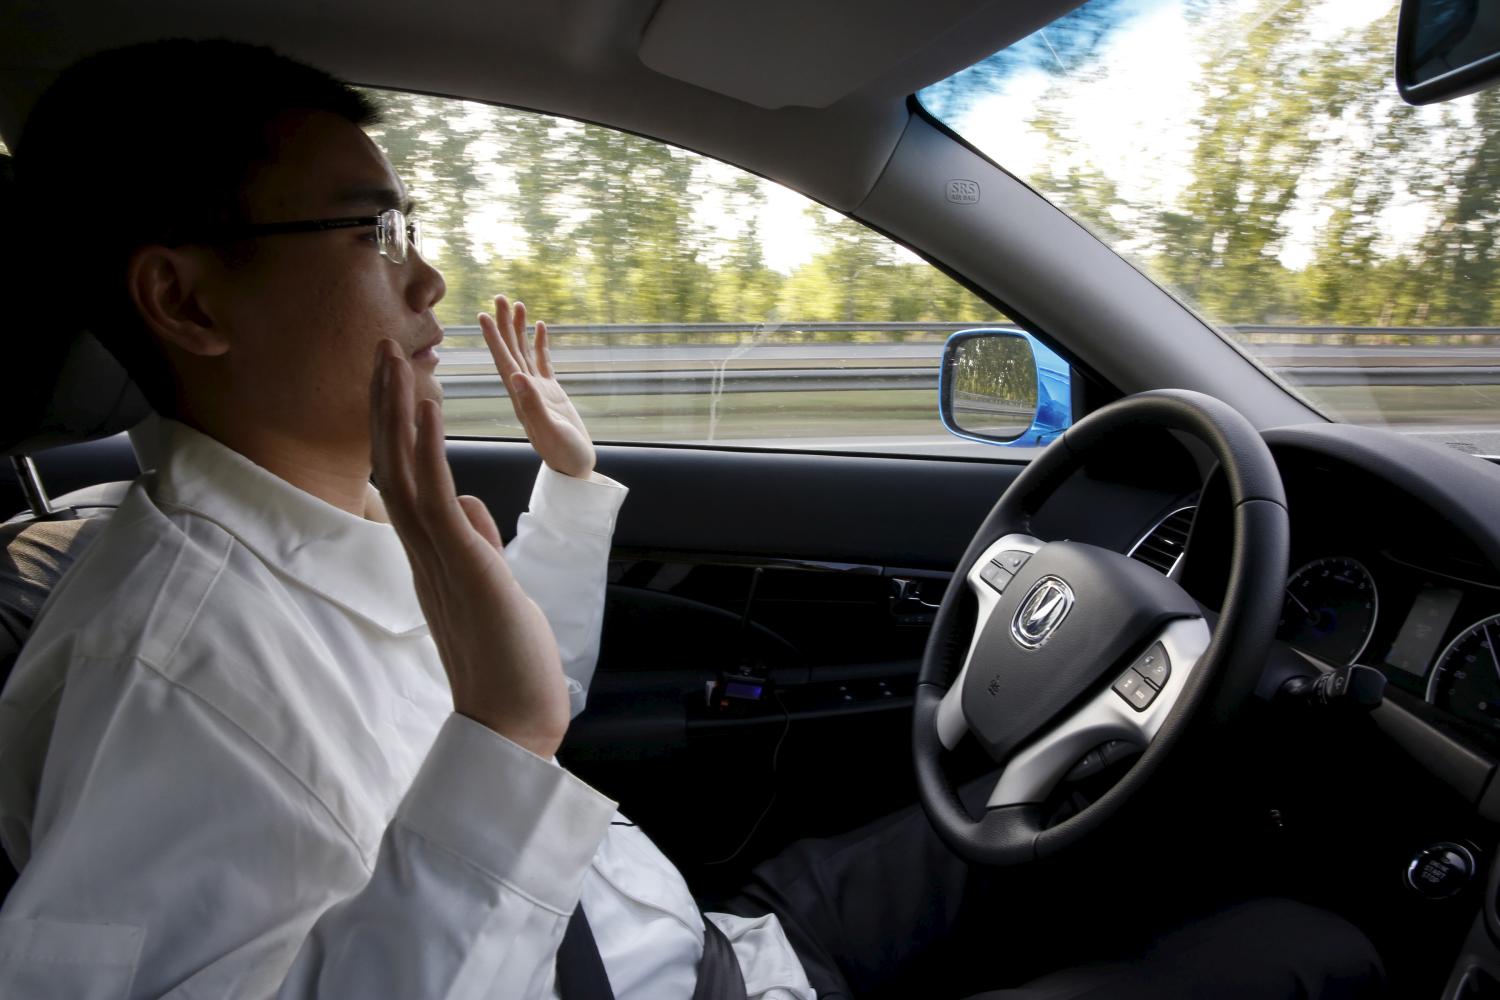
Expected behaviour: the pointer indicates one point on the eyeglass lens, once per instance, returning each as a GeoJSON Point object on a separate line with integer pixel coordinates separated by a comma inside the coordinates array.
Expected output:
{"type": "Point", "coordinates": [396, 233]}
{"type": "Point", "coordinates": [392, 235]}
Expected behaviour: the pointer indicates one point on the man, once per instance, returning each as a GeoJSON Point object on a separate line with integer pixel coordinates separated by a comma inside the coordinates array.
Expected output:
{"type": "Point", "coordinates": [281, 747]}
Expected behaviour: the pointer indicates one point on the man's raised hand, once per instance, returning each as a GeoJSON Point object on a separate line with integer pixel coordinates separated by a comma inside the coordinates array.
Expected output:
{"type": "Point", "coordinates": [495, 643]}
{"type": "Point", "coordinates": [544, 409]}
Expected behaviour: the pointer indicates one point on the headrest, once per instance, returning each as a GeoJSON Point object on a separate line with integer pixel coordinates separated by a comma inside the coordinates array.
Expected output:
{"type": "Point", "coordinates": [58, 384]}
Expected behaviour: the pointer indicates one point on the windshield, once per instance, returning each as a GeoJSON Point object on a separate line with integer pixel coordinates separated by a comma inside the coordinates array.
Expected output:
{"type": "Point", "coordinates": [1253, 156]}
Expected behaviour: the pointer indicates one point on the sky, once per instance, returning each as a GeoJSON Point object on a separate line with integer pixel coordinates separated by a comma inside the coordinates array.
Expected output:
{"type": "Point", "coordinates": [1133, 109]}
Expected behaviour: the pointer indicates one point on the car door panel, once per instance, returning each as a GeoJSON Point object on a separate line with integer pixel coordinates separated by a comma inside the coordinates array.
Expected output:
{"type": "Point", "coordinates": [820, 540]}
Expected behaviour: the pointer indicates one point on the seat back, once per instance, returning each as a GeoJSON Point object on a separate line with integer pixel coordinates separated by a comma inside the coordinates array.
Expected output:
{"type": "Point", "coordinates": [59, 386]}
{"type": "Point", "coordinates": [34, 555]}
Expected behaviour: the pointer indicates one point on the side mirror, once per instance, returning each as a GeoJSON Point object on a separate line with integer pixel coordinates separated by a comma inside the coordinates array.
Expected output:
{"type": "Point", "coordinates": [1003, 387]}
{"type": "Point", "coordinates": [1446, 49]}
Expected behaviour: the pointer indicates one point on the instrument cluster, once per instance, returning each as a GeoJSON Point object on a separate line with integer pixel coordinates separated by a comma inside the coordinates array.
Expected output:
{"type": "Point", "coordinates": [1385, 570]}
{"type": "Point", "coordinates": [1432, 629]}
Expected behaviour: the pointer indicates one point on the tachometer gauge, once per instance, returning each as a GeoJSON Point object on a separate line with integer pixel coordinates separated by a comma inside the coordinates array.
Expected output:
{"type": "Point", "coordinates": [1330, 609]}
{"type": "Point", "coordinates": [1466, 680]}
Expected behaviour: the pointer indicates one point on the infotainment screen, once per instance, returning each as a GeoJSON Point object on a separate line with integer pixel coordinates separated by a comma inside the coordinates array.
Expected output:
{"type": "Point", "coordinates": [1425, 625]}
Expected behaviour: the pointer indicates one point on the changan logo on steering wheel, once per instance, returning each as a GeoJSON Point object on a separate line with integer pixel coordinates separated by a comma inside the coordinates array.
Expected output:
{"type": "Point", "coordinates": [1042, 610]}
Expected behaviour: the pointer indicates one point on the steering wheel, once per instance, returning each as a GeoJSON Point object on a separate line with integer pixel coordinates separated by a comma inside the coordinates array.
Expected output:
{"type": "Point", "coordinates": [1043, 651]}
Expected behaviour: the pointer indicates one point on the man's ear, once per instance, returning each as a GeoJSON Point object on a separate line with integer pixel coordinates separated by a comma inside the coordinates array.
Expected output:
{"type": "Point", "coordinates": [167, 286]}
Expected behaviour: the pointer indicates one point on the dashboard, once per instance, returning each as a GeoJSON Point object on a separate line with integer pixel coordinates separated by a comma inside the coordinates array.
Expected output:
{"type": "Point", "coordinates": [1391, 565]}
{"type": "Point", "coordinates": [1378, 579]}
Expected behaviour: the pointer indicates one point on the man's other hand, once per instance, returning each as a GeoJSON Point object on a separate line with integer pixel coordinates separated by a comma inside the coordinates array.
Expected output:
{"type": "Point", "coordinates": [544, 409]}
{"type": "Point", "coordinates": [496, 646]}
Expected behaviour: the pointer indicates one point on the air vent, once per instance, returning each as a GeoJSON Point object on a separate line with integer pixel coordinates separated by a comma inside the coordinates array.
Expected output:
{"type": "Point", "coordinates": [1163, 545]}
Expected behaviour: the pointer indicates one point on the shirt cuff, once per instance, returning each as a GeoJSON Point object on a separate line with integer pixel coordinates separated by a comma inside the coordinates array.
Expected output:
{"type": "Point", "coordinates": [524, 820]}
{"type": "Point", "coordinates": [588, 505]}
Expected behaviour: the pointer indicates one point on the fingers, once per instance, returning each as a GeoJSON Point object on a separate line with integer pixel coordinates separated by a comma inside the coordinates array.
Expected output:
{"type": "Point", "coordinates": [505, 363]}
{"type": "Point", "coordinates": [510, 325]}
{"type": "Point", "coordinates": [543, 351]}
{"type": "Point", "coordinates": [518, 331]}
{"type": "Point", "coordinates": [435, 500]}
{"type": "Point", "coordinates": [518, 361]}
{"type": "Point", "coordinates": [409, 459]}
{"type": "Point", "coordinates": [392, 430]}
{"type": "Point", "coordinates": [505, 319]}
{"type": "Point", "coordinates": [378, 377]}
{"type": "Point", "coordinates": [494, 338]}
{"type": "Point", "coordinates": [479, 516]}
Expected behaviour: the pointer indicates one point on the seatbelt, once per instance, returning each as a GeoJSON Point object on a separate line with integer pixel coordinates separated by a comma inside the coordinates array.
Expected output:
{"type": "Point", "coordinates": [719, 974]}
{"type": "Point", "coordinates": [581, 975]}
{"type": "Point", "coordinates": [580, 970]}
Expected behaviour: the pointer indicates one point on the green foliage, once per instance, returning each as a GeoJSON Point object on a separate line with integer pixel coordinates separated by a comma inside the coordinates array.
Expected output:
{"type": "Point", "coordinates": [996, 368]}
{"type": "Point", "coordinates": [598, 226]}
{"type": "Point", "coordinates": [1291, 122]}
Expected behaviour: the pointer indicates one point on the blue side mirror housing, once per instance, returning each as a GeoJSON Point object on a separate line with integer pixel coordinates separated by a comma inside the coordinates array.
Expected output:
{"type": "Point", "coordinates": [1004, 387]}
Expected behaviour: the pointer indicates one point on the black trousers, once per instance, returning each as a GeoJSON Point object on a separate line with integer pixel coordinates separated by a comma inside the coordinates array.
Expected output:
{"type": "Point", "coordinates": [889, 911]}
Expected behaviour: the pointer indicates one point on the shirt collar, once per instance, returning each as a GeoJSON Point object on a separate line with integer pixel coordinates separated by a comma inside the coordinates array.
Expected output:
{"type": "Point", "coordinates": [356, 563]}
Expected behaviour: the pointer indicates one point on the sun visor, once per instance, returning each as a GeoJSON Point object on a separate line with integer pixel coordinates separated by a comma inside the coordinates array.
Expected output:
{"type": "Point", "coordinates": [782, 53]}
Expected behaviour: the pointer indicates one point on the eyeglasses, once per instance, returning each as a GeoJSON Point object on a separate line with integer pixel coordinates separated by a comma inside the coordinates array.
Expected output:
{"type": "Point", "coordinates": [394, 233]}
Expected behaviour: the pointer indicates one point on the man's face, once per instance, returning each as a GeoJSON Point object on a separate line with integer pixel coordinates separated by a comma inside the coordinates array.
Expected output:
{"type": "Point", "coordinates": [303, 316]}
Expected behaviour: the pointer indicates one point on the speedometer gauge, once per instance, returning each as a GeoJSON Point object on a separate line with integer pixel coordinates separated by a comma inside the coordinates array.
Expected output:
{"type": "Point", "coordinates": [1466, 680]}
{"type": "Point", "coordinates": [1330, 609]}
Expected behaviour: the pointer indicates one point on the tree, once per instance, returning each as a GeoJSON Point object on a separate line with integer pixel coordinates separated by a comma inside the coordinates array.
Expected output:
{"type": "Point", "coordinates": [1461, 253]}
{"type": "Point", "coordinates": [545, 265]}
{"type": "Point", "coordinates": [602, 227]}
{"type": "Point", "coordinates": [743, 286]}
{"type": "Point", "coordinates": [429, 149]}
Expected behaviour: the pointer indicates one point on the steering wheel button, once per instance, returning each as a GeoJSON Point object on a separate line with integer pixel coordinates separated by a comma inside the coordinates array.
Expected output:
{"type": "Point", "coordinates": [1129, 683]}
{"type": "Point", "coordinates": [1154, 665]}
{"type": "Point", "coordinates": [1133, 688]}
{"type": "Point", "coordinates": [995, 575]}
{"type": "Point", "coordinates": [1012, 560]}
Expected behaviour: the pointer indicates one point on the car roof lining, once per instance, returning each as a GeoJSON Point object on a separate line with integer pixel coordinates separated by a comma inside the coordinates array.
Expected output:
{"type": "Point", "coordinates": [837, 121]}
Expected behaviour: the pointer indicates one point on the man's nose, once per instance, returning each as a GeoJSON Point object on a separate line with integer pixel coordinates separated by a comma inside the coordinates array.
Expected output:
{"type": "Point", "coordinates": [425, 287]}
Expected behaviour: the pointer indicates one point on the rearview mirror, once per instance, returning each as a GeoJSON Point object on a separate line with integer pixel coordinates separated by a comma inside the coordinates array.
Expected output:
{"type": "Point", "coordinates": [1003, 387]}
{"type": "Point", "coordinates": [1446, 49]}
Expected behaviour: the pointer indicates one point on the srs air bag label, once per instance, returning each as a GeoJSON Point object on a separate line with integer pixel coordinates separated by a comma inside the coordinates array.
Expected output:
{"type": "Point", "coordinates": [963, 192]}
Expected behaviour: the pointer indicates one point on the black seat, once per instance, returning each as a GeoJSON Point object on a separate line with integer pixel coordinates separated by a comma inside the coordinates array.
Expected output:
{"type": "Point", "coordinates": [61, 387]}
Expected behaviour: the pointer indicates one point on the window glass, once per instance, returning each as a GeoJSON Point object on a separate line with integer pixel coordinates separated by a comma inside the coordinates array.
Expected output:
{"type": "Point", "coordinates": [687, 300]}
{"type": "Point", "coordinates": [1254, 156]}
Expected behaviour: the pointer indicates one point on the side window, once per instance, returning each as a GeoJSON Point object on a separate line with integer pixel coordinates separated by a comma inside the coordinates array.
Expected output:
{"type": "Point", "coordinates": [688, 301]}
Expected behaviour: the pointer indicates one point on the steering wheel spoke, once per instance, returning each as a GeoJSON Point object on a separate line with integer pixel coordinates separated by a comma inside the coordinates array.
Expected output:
{"type": "Point", "coordinates": [1037, 768]}
{"type": "Point", "coordinates": [987, 579]}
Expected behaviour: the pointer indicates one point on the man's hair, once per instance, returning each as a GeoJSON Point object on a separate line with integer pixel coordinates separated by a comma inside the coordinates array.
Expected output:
{"type": "Point", "coordinates": [145, 144]}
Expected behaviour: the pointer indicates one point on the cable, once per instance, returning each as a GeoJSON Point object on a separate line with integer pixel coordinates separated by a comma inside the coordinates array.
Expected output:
{"type": "Point", "coordinates": [775, 759]}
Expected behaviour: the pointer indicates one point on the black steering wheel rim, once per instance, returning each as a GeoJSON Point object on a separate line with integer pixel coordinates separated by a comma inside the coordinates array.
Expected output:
{"type": "Point", "coordinates": [1226, 671]}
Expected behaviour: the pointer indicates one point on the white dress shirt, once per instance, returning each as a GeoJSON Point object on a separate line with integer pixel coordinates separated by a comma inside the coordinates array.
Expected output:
{"type": "Point", "coordinates": [255, 784]}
